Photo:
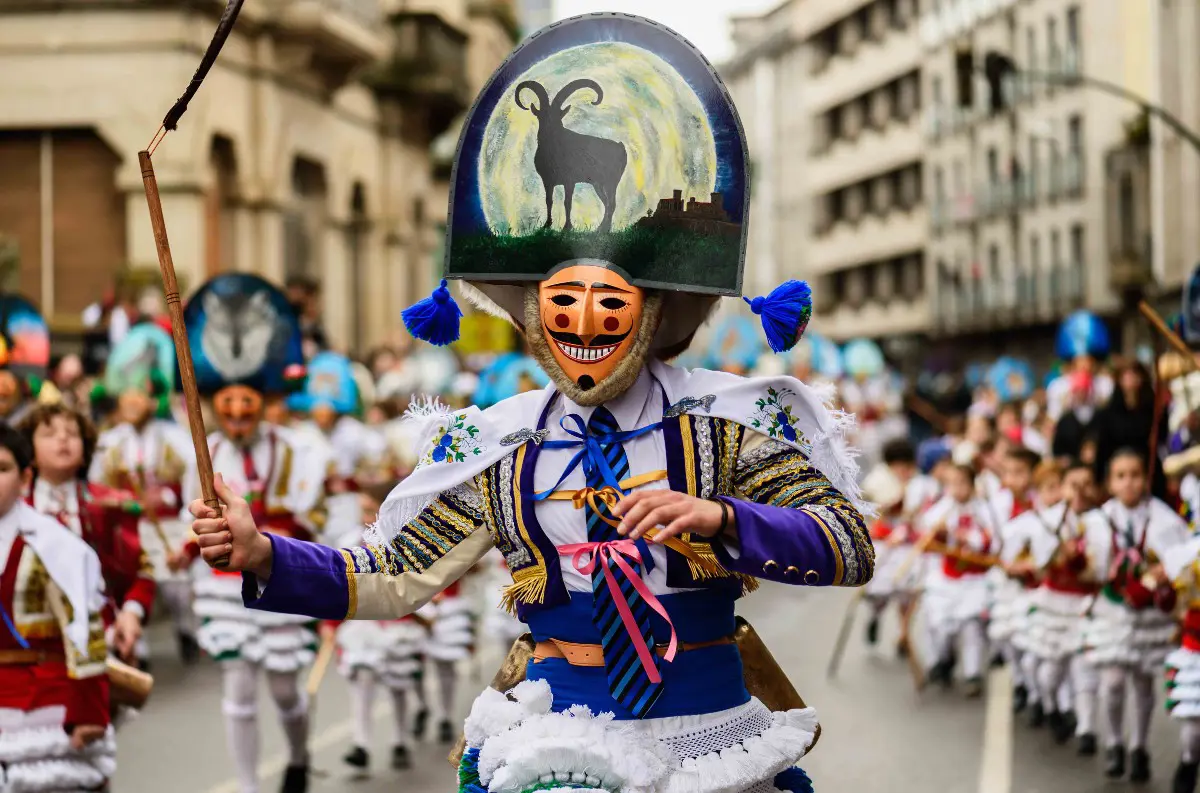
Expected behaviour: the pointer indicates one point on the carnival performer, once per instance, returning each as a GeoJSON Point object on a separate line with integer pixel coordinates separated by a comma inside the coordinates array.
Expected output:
{"type": "Point", "coordinates": [1082, 342]}
{"type": "Point", "coordinates": [612, 493]}
{"type": "Point", "coordinates": [1182, 565]}
{"type": "Point", "coordinates": [893, 535]}
{"type": "Point", "coordinates": [1010, 595]}
{"type": "Point", "coordinates": [24, 358]}
{"type": "Point", "coordinates": [387, 653]}
{"type": "Point", "coordinates": [63, 441]}
{"type": "Point", "coordinates": [149, 456]}
{"type": "Point", "coordinates": [246, 344]}
{"type": "Point", "coordinates": [956, 591]}
{"type": "Point", "coordinates": [1131, 630]}
{"type": "Point", "coordinates": [54, 691]}
{"type": "Point", "coordinates": [359, 453]}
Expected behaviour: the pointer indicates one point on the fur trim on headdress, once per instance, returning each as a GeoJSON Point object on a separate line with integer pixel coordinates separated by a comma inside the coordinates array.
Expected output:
{"type": "Point", "coordinates": [622, 377]}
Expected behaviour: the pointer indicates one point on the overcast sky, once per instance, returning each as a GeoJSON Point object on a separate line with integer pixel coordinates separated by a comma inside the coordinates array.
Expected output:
{"type": "Point", "coordinates": [703, 22]}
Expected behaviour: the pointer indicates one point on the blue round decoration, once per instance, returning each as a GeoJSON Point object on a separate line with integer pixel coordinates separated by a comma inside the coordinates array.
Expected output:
{"type": "Point", "coordinates": [1082, 333]}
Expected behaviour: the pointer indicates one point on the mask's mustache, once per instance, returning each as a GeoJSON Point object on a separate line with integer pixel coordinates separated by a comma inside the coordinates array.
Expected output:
{"type": "Point", "coordinates": [597, 341]}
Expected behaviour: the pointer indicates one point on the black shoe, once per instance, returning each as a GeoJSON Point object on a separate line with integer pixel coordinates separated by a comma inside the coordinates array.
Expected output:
{"type": "Point", "coordinates": [1037, 715]}
{"type": "Point", "coordinates": [1185, 778]}
{"type": "Point", "coordinates": [996, 662]}
{"type": "Point", "coordinates": [420, 724]}
{"type": "Point", "coordinates": [1114, 765]}
{"type": "Point", "coordinates": [1087, 745]}
{"type": "Point", "coordinates": [941, 672]}
{"type": "Point", "coordinates": [873, 631]}
{"type": "Point", "coordinates": [400, 758]}
{"type": "Point", "coordinates": [446, 732]}
{"type": "Point", "coordinates": [357, 757]}
{"type": "Point", "coordinates": [1020, 698]}
{"type": "Point", "coordinates": [189, 650]}
{"type": "Point", "coordinates": [1060, 727]}
{"type": "Point", "coordinates": [1139, 766]}
{"type": "Point", "coordinates": [973, 687]}
{"type": "Point", "coordinates": [295, 779]}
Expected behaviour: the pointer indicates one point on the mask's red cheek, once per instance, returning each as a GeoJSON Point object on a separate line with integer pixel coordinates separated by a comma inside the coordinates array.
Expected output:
{"type": "Point", "coordinates": [611, 324]}
{"type": "Point", "coordinates": [562, 320]}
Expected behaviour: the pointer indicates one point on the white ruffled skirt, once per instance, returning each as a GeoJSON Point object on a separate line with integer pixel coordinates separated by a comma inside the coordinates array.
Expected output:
{"type": "Point", "coordinates": [1009, 612]}
{"type": "Point", "coordinates": [230, 631]}
{"type": "Point", "coordinates": [1056, 625]}
{"type": "Point", "coordinates": [452, 637]}
{"type": "Point", "coordinates": [950, 603]}
{"type": "Point", "coordinates": [392, 650]}
{"type": "Point", "coordinates": [518, 743]}
{"type": "Point", "coordinates": [36, 754]}
{"type": "Point", "coordinates": [1119, 636]}
{"type": "Point", "coordinates": [889, 561]}
{"type": "Point", "coordinates": [1183, 684]}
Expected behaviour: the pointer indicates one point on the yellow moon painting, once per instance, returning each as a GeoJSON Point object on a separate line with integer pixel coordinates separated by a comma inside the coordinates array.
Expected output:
{"type": "Point", "coordinates": [646, 106]}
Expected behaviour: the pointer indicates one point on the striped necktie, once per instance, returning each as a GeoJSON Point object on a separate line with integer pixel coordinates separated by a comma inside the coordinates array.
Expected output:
{"type": "Point", "coordinates": [627, 679]}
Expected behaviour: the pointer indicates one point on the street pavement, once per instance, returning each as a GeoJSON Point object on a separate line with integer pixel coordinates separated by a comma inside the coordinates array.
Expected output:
{"type": "Point", "coordinates": [878, 734]}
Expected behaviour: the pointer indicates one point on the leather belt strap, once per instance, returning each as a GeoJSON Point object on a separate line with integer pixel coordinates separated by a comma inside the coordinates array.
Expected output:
{"type": "Point", "coordinates": [593, 654]}
{"type": "Point", "coordinates": [16, 657]}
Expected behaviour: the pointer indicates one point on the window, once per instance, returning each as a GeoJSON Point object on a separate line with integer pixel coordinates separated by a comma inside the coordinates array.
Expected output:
{"type": "Point", "coordinates": [936, 91]}
{"type": "Point", "coordinates": [964, 72]}
{"type": "Point", "coordinates": [1055, 265]}
{"type": "Point", "coordinates": [1031, 60]}
{"type": "Point", "coordinates": [993, 165]}
{"type": "Point", "coordinates": [1127, 217]}
{"type": "Point", "coordinates": [1035, 267]}
{"type": "Point", "coordinates": [993, 284]}
{"type": "Point", "coordinates": [939, 186]}
{"type": "Point", "coordinates": [1073, 27]}
{"type": "Point", "coordinates": [959, 185]}
{"type": "Point", "coordinates": [1034, 160]}
{"type": "Point", "coordinates": [1077, 253]}
{"type": "Point", "coordinates": [1052, 44]}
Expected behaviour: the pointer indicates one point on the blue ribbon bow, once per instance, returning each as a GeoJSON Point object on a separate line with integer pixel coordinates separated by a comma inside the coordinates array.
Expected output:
{"type": "Point", "coordinates": [592, 453]}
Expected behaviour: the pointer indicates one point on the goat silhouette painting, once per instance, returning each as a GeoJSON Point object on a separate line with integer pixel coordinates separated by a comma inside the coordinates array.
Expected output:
{"type": "Point", "coordinates": [566, 158]}
{"type": "Point", "coordinates": [631, 126]}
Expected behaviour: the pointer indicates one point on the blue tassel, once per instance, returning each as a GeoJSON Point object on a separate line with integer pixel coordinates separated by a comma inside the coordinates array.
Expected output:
{"type": "Point", "coordinates": [434, 319]}
{"type": "Point", "coordinates": [794, 780]}
{"type": "Point", "coordinates": [785, 313]}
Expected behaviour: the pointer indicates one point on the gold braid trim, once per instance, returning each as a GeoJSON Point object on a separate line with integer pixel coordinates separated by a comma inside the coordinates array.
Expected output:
{"type": "Point", "coordinates": [528, 586]}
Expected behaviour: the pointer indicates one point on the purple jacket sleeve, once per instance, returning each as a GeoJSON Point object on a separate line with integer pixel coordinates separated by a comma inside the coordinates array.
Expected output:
{"type": "Point", "coordinates": [306, 578]}
{"type": "Point", "coordinates": [780, 544]}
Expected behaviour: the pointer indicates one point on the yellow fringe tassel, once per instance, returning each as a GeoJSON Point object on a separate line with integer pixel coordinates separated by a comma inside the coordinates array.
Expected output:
{"type": "Point", "coordinates": [527, 587]}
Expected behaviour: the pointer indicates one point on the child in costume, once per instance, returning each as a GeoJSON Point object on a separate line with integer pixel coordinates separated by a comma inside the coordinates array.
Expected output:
{"type": "Point", "coordinates": [360, 459]}
{"type": "Point", "coordinates": [634, 502]}
{"type": "Point", "coordinates": [246, 344]}
{"type": "Point", "coordinates": [149, 456]}
{"type": "Point", "coordinates": [1010, 595]}
{"type": "Point", "coordinates": [956, 591]}
{"type": "Point", "coordinates": [386, 652]}
{"type": "Point", "coordinates": [893, 535]}
{"type": "Point", "coordinates": [1182, 565]}
{"type": "Point", "coordinates": [63, 441]}
{"type": "Point", "coordinates": [54, 692]}
{"type": "Point", "coordinates": [1131, 630]}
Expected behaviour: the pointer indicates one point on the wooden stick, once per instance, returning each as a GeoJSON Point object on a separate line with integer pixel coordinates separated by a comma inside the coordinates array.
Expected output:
{"type": "Point", "coordinates": [321, 665]}
{"type": "Point", "coordinates": [843, 636]}
{"type": "Point", "coordinates": [183, 350]}
{"type": "Point", "coordinates": [1181, 347]}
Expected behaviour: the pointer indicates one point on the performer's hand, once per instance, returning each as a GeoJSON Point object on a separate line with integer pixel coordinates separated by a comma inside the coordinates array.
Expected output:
{"type": "Point", "coordinates": [177, 560]}
{"type": "Point", "coordinates": [84, 734]}
{"type": "Point", "coordinates": [127, 629]}
{"type": "Point", "coordinates": [327, 631]}
{"type": "Point", "coordinates": [675, 512]}
{"type": "Point", "coordinates": [231, 534]}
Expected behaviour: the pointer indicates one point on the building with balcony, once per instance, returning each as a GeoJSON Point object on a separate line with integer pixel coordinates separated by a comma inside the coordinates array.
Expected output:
{"type": "Point", "coordinates": [306, 152]}
{"type": "Point", "coordinates": [1015, 165]}
{"type": "Point", "coordinates": [831, 97]}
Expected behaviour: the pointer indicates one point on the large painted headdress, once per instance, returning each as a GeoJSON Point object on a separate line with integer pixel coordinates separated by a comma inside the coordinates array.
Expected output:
{"type": "Point", "coordinates": [1082, 333]}
{"type": "Point", "coordinates": [243, 331]}
{"type": "Point", "coordinates": [144, 360]}
{"type": "Point", "coordinates": [331, 381]}
{"type": "Point", "coordinates": [608, 141]}
{"type": "Point", "coordinates": [24, 340]}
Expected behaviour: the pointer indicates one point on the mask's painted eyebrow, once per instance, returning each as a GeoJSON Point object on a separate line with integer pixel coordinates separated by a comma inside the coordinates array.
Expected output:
{"type": "Point", "coordinates": [576, 284]}
{"type": "Point", "coordinates": [611, 288]}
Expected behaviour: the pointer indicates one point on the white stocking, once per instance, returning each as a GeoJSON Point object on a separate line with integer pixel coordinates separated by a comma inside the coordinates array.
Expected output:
{"type": "Point", "coordinates": [1189, 739]}
{"type": "Point", "coordinates": [293, 713]}
{"type": "Point", "coordinates": [177, 595]}
{"type": "Point", "coordinates": [973, 644]}
{"type": "Point", "coordinates": [447, 680]}
{"type": "Point", "coordinates": [1050, 675]}
{"type": "Point", "coordinates": [362, 689]}
{"type": "Point", "coordinates": [400, 712]}
{"type": "Point", "coordinates": [1065, 696]}
{"type": "Point", "coordinates": [1112, 696]}
{"type": "Point", "coordinates": [1142, 686]}
{"type": "Point", "coordinates": [239, 683]}
{"type": "Point", "coordinates": [1084, 682]}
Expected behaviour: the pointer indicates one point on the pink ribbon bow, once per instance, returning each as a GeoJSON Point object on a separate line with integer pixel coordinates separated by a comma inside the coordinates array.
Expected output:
{"type": "Point", "coordinates": [584, 558]}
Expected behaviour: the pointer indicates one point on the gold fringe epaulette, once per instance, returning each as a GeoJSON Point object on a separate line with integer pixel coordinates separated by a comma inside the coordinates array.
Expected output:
{"type": "Point", "coordinates": [528, 586]}
{"type": "Point", "coordinates": [712, 567]}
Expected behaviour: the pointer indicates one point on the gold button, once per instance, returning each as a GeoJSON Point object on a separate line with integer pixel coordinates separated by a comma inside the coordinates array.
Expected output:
{"type": "Point", "coordinates": [812, 577]}
{"type": "Point", "coordinates": [770, 566]}
{"type": "Point", "coordinates": [791, 572]}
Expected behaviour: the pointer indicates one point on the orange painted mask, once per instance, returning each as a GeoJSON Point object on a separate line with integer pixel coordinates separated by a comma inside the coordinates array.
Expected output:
{"type": "Point", "coordinates": [10, 393]}
{"type": "Point", "coordinates": [591, 317]}
{"type": "Point", "coordinates": [239, 410]}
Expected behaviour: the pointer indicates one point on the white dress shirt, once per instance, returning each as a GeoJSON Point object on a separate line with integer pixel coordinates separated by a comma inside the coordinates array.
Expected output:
{"type": "Point", "coordinates": [10, 526]}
